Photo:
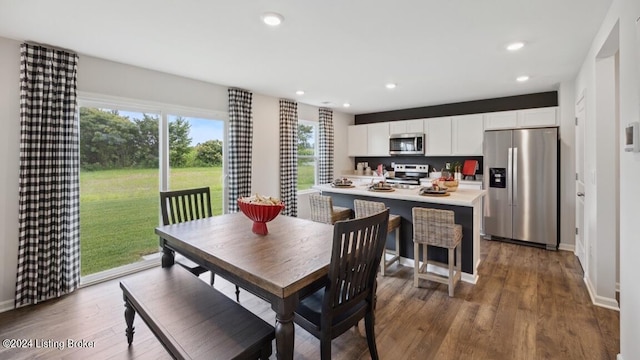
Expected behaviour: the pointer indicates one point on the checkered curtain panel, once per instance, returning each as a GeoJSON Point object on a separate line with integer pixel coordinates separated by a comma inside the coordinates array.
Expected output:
{"type": "Point", "coordinates": [240, 142]}
{"type": "Point", "coordinates": [325, 146]}
{"type": "Point", "coordinates": [49, 226]}
{"type": "Point", "coordinates": [289, 156]}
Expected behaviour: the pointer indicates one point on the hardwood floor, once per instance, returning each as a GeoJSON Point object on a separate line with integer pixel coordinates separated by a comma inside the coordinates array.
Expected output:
{"type": "Point", "coordinates": [528, 304]}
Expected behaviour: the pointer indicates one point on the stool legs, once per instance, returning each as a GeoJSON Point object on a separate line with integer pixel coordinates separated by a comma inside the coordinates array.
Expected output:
{"type": "Point", "coordinates": [454, 267]}
{"type": "Point", "coordinates": [384, 264]}
{"type": "Point", "coordinates": [416, 263]}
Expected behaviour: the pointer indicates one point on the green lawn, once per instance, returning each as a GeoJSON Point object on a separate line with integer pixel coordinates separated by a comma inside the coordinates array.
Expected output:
{"type": "Point", "coordinates": [119, 210]}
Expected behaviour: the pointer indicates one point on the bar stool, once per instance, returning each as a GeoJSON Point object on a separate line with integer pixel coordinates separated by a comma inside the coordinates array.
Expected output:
{"type": "Point", "coordinates": [436, 228]}
{"type": "Point", "coordinates": [322, 210]}
{"type": "Point", "coordinates": [364, 208]}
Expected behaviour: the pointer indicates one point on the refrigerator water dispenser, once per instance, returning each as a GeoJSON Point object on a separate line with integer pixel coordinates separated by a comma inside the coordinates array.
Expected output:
{"type": "Point", "coordinates": [498, 178]}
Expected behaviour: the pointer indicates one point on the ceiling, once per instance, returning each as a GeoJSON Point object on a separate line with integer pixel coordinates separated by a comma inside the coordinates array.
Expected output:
{"type": "Point", "coordinates": [337, 51]}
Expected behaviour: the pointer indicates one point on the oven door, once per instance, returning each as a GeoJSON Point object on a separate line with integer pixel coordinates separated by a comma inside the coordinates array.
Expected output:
{"type": "Point", "coordinates": [406, 144]}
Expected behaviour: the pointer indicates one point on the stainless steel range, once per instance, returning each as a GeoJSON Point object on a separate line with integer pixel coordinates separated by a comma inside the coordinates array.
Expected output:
{"type": "Point", "coordinates": [407, 174]}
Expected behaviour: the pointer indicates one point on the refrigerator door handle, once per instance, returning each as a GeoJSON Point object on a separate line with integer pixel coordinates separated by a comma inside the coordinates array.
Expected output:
{"type": "Point", "coordinates": [508, 179]}
{"type": "Point", "coordinates": [514, 177]}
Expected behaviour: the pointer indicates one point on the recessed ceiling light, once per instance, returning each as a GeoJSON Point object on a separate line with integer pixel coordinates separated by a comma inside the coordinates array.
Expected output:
{"type": "Point", "coordinates": [391, 86]}
{"type": "Point", "coordinates": [272, 19]}
{"type": "Point", "coordinates": [299, 92]}
{"type": "Point", "coordinates": [346, 104]}
{"type": "Point", "coordinates": [515, 46]}
{"type": "Point", "coordinates": [522, 78]}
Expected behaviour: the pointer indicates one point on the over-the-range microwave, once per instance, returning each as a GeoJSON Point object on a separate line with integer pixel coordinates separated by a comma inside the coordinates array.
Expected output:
{"type": "Point", "coordinates": [406, 144]}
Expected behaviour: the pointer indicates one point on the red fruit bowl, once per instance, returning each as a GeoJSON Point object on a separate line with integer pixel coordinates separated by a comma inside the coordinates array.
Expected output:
{"type": "Point", "coordinates": [260, 214]}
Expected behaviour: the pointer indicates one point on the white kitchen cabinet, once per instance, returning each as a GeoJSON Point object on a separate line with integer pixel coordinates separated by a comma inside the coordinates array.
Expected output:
{"type": "Point", "coordinates": [527, 118]}
{"type": "Point", "coordinates": [406, 127]}
{"type": "Point", "coordinates": [539, 117]}
{"type": "Point", "coordinates": [501, 120]}
{"type": "Point", "coordinates": [437, 136]}
{"type": "Point", "coordinates": [467, 134]}
{"type": "Point", "coordinates": [357, 140]}
{"type": "Point", "coordinates": [378, 139]}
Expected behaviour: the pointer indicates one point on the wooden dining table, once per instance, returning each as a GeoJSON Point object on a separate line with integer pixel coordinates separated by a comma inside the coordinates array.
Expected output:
{"type": "Point", "coordinates": [278, 267]}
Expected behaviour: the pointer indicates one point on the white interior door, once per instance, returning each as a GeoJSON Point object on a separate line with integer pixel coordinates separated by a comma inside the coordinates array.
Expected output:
{"type": "Point", "coordinates": [581, 246]}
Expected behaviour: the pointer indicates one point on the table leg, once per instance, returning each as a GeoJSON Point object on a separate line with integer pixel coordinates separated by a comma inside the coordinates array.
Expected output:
{"type": "Point", "coordinates": [167, 257]}
{"type": "Point", "coordinates": [285, 332]}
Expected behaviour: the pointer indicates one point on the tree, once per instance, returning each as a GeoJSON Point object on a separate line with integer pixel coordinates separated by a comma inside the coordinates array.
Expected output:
{"type": "Point", "coordinates": [209, 153]}
{"type": "Point", "coordinates": [107, 140]}
{"type": "Point", "coordinates": [179, 142]}
{"type": "Point", "coordinates": [147, 141]}
{"type": "Point", "coordinates": [305, 132]}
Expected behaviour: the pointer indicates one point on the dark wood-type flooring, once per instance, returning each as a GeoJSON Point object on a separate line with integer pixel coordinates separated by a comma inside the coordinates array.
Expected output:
{"type": "Point", "coordinates": [528, 304]}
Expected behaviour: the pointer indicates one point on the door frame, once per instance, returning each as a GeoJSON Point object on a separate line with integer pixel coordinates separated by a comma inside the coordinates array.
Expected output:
{"type": "Point", "coordinates": [581, 240]}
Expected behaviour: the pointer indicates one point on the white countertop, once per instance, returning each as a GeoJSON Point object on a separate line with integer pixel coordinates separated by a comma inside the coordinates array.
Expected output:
{"type": "Point", "coordinates": [461, 197]}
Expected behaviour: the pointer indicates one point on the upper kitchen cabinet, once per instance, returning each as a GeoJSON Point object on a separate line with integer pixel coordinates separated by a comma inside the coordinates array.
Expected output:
{"type": "Point", "coordinates": [357, 140]}
{"type": "Point", "coordinates": [539, 117]}
{"type": "Point", "coordinates": [468, 134]}
{"type": "Point", "coordinates": [406, 127]}
{"type": "Point", "coordinates": [437, 136]}
{"type": "Point", "coordinates": [378, 139]}
{"type": "Point", "coordinates": [528, 118]}
{"type": "Point", "coordinates": [501, 120]}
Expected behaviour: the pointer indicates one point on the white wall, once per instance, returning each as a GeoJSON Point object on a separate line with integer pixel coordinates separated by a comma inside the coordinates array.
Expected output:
{"type": "Point", "coordinates": [625, 13]}
{"type": "Point", "coordinates": [566, 101]}
{"type": "Point", "coordinates": [98, 76]}
{"type": "Point", "coordinates": [9, 163]}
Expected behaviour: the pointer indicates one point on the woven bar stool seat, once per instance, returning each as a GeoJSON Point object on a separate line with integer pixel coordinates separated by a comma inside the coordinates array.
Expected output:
{"type": "Point", "coordinates": [322, 210]}
{"type": "Point", "coordinates": [432, 227]}
{"type": "Point", "coordinates": [364, 208]}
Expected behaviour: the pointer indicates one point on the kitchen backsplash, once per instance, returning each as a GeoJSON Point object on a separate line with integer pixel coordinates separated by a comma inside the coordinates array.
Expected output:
{"type": "Point", "coordinates": [437, 162]}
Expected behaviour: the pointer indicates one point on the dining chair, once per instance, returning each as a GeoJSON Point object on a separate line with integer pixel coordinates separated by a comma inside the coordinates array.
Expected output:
{"type": "Point", "coordinates": [363, 208]}
{"type": "Point", "coordinates": [434, 227]}
{"type": "Point", "coordinates": [186, 205]}
{"type": "Point", "coordinates": [322, 210]}
{"type": "Point", "coordinates": [349, 291]}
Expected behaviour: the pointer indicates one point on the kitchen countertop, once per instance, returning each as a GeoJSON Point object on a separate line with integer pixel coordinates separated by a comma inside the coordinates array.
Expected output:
{"type": "Point", "coordinates": [461, 197]}
{"type": "Point", "coordinates": [424, 180]}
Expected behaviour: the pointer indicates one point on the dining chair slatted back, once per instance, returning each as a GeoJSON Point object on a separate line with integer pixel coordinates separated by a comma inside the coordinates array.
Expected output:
{"type": "Point", "coordinates": [349, 293]}
{"type": "Point", "coordinates": [187, 205]}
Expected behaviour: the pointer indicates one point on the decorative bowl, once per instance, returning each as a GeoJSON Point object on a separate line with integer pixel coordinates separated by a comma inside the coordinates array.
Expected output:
{"type": "Point", "coordinates": [261, 214]}
{"type": "Point", "coordinates": [451, 185]}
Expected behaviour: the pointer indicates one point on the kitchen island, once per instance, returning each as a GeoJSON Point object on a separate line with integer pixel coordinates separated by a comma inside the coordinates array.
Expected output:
{"type": "Point", "coordinates": [465, 203]}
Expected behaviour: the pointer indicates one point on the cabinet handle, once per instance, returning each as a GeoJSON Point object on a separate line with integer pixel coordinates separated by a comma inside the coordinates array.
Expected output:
{"type": "Point", "coordinates": [581, 194]}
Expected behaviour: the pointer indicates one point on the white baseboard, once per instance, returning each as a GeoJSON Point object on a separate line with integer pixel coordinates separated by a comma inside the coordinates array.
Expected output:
{"type": "Point", "coordinates": [567, 247]}
{"type": "Point", "coordinates": [607, 303]}
{"type": "Point", "coordinates": [7, 305]}
{"type": "Point", "coordinates": [619, 357]}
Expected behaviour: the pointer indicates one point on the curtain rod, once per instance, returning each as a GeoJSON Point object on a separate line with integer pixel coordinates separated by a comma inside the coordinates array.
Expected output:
{"type": "Point", "coordinates": [29, 42]}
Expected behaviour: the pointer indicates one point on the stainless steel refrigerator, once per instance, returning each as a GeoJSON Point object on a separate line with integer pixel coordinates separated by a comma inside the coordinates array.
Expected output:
{"type": "Point", "coordinates": [521, 178]}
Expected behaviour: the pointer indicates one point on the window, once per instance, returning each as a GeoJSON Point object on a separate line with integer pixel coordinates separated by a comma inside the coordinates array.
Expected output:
{"type": "Point", "coordinates": [128, 153]}
{"type": "Point", "coordinates": [119, 181]}
{"type": "Point", "coordinates": [196, 156]}
{"type": "Point", "coordinates": [307, 154]}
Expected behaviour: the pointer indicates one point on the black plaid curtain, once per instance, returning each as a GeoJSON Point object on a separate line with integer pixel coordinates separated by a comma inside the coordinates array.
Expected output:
{"type": "Point", "coordinates": [240, 142]}
{"type": "Point", "coordinates": [289, 156]}
{"type": "Point", "coordinates": [49, 238]}
{"type": "Point", "coordinates": [325, 146]}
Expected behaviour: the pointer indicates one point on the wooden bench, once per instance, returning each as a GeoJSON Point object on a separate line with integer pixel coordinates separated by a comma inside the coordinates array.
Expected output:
{"type": "Point", "coordinates": [193, 320]}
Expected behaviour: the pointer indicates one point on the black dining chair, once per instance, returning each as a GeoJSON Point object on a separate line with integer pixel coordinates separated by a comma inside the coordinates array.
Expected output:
{"type": "Point", "coordinates": [349, 292]}
{"type": "Point", "coordinates": [186, 205]}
